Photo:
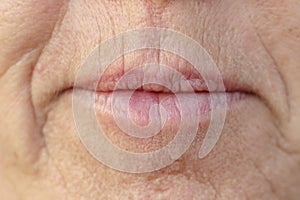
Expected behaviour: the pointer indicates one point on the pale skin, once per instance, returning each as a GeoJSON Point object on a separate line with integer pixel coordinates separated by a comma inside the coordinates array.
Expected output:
{"type": "Point", "coordinates": [42, 45]}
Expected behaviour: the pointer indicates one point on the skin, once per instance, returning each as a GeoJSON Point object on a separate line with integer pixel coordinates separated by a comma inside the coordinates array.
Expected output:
{"type": "Point", "coordinates": [43, 45]}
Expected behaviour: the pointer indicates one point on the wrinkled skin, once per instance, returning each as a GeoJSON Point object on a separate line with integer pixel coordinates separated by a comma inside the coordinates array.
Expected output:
{"type": "Point", "coordinates": [258, 155]}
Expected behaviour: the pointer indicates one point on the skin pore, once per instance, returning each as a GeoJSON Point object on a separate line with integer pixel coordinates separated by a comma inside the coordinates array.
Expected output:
{"type": "Point", "coordinates": [44, 43]}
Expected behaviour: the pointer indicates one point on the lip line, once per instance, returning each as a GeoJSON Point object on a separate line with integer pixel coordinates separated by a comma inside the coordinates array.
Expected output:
{"type": "Point", "coordinates": [240, 94]}
{"type": "Point", "coordinates": [229, 87]}
{"type": "Point", "coordinates": [163, 92]}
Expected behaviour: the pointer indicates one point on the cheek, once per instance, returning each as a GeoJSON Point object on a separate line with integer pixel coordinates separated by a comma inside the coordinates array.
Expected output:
{"type": "Point", "coordinates": [277, 23]}
{"type": "Point", "coordinates": [20, 138]}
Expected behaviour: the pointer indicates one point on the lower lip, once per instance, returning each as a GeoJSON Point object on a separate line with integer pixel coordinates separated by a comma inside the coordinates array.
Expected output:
{"type": "Point", "coordinates": [141, 102]}
{"type": "Point", "coordinates": [138, 111]}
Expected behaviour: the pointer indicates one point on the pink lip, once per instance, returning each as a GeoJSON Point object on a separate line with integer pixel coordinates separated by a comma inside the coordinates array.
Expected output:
{"type": "Point", "coordinates": [144, 97]}
{"type": "Point", "coordinates": [141, 102]}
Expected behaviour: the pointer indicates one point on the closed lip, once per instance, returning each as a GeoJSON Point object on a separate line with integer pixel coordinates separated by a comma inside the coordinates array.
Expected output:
{"type": "Point", "coordinates": [116, 106]}
{"type": "Point", "coordinates": [170, 79]}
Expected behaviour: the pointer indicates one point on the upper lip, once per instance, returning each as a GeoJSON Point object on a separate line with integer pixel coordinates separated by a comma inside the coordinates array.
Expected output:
{"type": "Point", "coordinates": [108, 80]}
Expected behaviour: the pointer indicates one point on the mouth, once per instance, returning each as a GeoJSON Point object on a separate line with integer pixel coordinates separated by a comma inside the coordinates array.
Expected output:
{"type": "Point", "coordinates": [155, 97]}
